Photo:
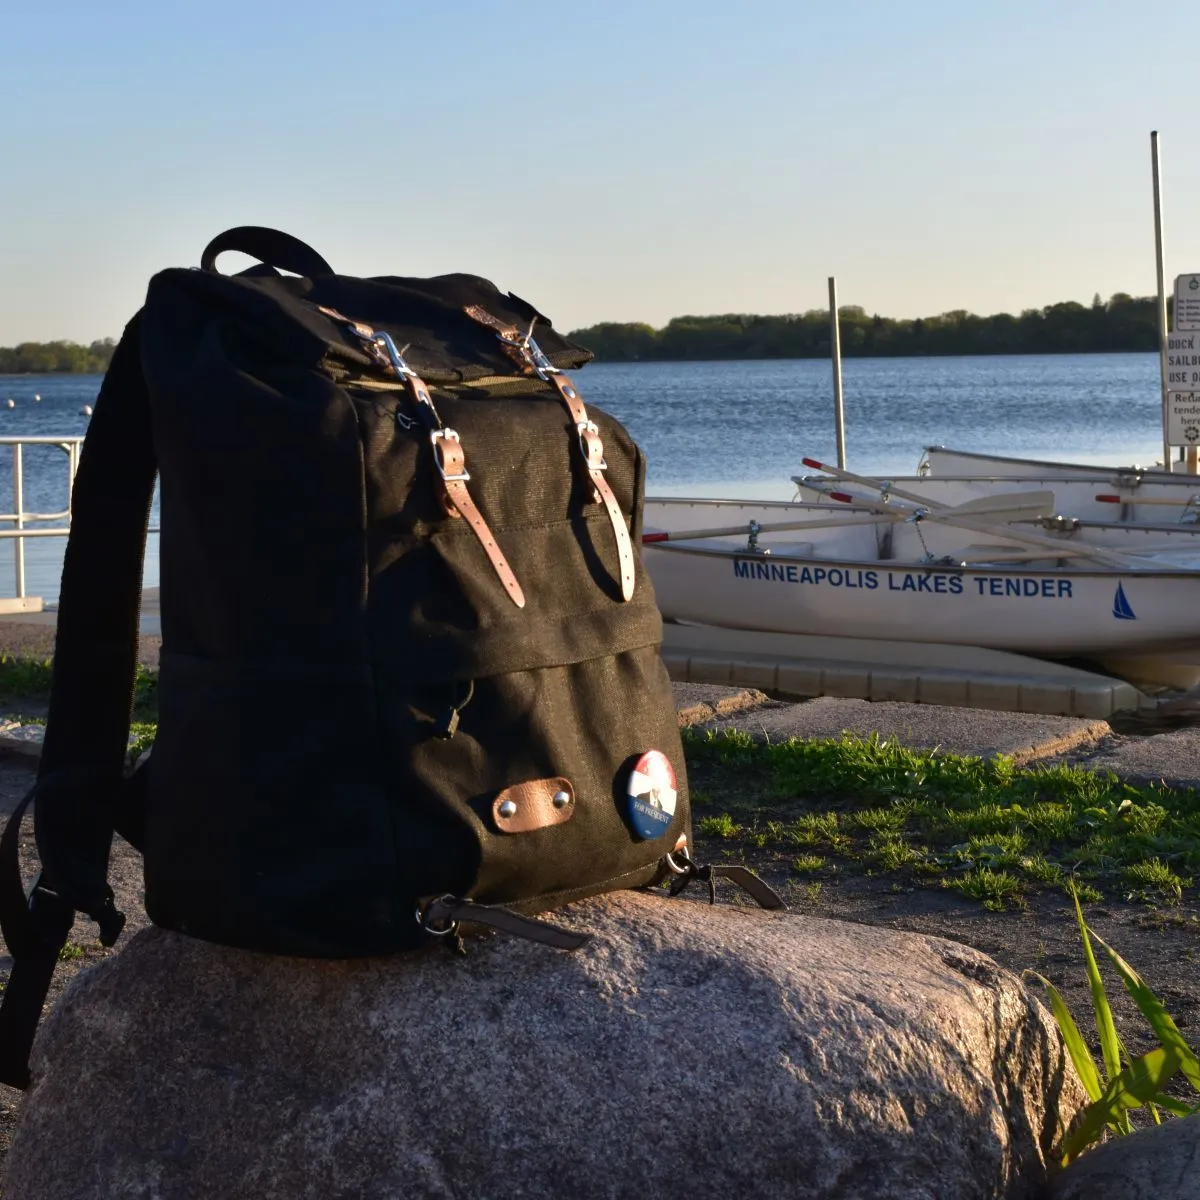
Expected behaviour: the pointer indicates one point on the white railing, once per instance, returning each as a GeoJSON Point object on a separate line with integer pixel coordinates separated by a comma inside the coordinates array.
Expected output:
{"type": "Point", "coordinates": [20, 518]}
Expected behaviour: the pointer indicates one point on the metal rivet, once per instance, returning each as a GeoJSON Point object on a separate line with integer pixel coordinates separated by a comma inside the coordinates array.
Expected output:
{"type": "Point", "coordinates": [508, 809]}
{"type": "Point", "coordinates": [562, 799]}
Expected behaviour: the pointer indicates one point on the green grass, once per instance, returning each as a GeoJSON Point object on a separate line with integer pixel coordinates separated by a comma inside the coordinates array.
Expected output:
{"type": "Point", "coordinates": [996, 890]}
{"type": "Point", "coordinates": [992, 830]}
{"type": "Point", "coordinates": [28, 679]}
{"type": "Point", "coordinates": [1154, 877]}
{"type": "Point", "coordinates": [807, 863]}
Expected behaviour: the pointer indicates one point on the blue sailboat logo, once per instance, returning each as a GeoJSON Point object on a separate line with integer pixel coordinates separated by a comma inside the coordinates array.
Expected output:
{"type": "Point", "coordinates": [1121, 608]}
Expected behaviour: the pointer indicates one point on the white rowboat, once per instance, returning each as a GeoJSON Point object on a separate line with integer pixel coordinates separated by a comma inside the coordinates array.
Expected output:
{"type": "Point", "coordinates": [932, 580]}
{"type": "Point", "coordinates": [941, 460]}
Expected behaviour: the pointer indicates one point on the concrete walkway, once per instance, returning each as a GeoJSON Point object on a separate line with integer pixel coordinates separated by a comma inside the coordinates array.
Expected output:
{"type": "Point", "coordinates": [1169, 753]}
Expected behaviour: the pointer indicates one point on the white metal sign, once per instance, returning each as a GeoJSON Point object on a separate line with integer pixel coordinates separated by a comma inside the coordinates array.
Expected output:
{"type": "Point", "coordinates": [1183, 362]}
{"type": "Point", "coordinates": [1183, 418]}
{"type": "Point", "coordinates": [1187, 303]}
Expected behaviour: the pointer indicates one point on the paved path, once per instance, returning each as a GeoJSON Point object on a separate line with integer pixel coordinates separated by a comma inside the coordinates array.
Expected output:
{"type": "Point", "coordinates": [1171, 754]}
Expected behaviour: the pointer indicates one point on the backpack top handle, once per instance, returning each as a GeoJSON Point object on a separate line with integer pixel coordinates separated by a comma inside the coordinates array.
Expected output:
{"type": "Point", "coordinates": [269, 246]}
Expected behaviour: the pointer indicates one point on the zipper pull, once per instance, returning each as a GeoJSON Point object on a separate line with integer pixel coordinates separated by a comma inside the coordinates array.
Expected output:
{"type": "Point", "coordinates": [447, 726]}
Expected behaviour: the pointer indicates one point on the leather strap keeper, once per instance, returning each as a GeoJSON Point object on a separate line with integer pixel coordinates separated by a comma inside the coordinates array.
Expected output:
{"type": "Point", "coordinates": [535, 804]}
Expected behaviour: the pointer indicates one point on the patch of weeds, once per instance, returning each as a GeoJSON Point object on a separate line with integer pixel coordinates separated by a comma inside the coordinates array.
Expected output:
{"type": "Point", "coordinates": [819, 829]}
{"type": "Point", "coordinates": [1049, 822]}
{"type": "Point", "coordinates": [877, 820]}
{"type": "Point", "coordinates": [889, 852]}
{"type": "Point", "coordinates": [1041, 869]}
{"type": "Point", "coordinates": [988, 820]}
{"type": "Point", "coordinates": [1000, 851]}
{"type": "Point", "coordinates": [996, 890]}
{"type": "Point", "coordinates": [925, 865]}
{"type": "Point", "coordinates": [700, 798]}
{"type": "Point", "coordinates": [25, 678]}
{"type": "Point", "coordinates": [813, 892]}
{"type": "Point", "coordinates": [30, 679]}
{"type": "Point", "coordinates": [1153, 879]}
{"type": "Point", "coordinates": [70, 952]}
{"type": "Point", "coordinates": [1086, 893]}
{"type": "Point", "coordinates": [723, 826]}
{"type": "Point", "coordinates": [807, 863]}
{"type": "Point", "coordinates": [141, 738]}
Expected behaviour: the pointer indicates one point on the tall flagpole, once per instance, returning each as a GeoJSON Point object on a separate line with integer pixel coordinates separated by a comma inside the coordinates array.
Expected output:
{"type": "Point", "coordinates": [835, 345]}
{"type": "Point", "coordinates": [1162, 300]}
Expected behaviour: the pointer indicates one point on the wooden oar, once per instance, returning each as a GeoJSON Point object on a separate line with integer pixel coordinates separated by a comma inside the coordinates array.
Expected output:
{"type": "Point", "coordinates": [1029, 505]}
{"type": "Point", "coordinates": [935, 513]}
{"type": "Point", "coordinates": [687, 535]}
{"type": "Point", "coordinates": [1127, 561]}
{"type": "Point", "coordinates": [1110, 499]}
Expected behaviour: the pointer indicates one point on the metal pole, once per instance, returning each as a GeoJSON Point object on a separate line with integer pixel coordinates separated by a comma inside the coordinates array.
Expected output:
{"type": "Point", "coordinates": [836, 346]}
{"type": "Point", "coordinates": [19, 510]}
{"type": "Point", "coordinates": [1162, 300]}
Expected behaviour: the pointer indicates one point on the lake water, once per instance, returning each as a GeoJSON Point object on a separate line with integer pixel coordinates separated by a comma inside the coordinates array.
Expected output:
{"type": "Point", "coordinates": [741, 428]}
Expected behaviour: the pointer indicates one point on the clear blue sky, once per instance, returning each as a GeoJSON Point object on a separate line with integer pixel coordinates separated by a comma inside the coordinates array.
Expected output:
{"type": "Point", "coordinates": [609, 161]}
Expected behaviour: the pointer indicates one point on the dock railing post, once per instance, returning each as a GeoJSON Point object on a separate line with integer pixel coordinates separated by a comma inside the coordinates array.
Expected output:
{"type": "Point", "coordinates": [18, 490]}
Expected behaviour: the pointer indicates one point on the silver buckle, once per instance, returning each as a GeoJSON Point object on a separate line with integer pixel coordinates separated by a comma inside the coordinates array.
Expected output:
{"type": "Point", "coordinates": [589, 427]}
{"type": "Point", "coordinates": [426, 922]}
{"type": "Point", "coordinates": [451, 436]}
{"type": "Point", "coordinates": [532, 351]}
{"type": "Point", "coordinates": [394, 357]}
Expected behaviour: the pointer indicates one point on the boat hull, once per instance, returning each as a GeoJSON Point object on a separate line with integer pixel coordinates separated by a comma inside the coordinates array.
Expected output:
{"type": "Point", "coordinates": [941, 460]}
{"type": "Point", "coordinates": [1057, 613]}
{"type": "Point", "coordinates": [836, 581]}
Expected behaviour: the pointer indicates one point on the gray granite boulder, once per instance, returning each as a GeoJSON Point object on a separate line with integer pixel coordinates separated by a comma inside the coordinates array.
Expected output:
{"type": "Point", "coordinates": [685, 1050]}
{"type": "Point", "coordinates": [1158, 1163]}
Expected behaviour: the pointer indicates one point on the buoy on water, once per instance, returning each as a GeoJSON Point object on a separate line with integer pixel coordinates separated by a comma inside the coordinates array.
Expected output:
{"type": "Point", "coordinates": [10, 403]}
{"type": "Point", "coordinates": [86, 411]}
{"type": "Point", "coordinates": [36, 398]}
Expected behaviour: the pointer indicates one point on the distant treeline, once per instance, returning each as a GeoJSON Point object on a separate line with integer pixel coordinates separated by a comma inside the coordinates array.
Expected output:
{"type": "Point", "coordinates": [1124, 323]}
{"type": "Point", "coordinates": [43, 358]}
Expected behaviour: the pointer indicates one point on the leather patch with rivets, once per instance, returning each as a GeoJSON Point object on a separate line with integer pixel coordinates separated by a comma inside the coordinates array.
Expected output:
{"type": "Point", "coordinates": [535, 804]}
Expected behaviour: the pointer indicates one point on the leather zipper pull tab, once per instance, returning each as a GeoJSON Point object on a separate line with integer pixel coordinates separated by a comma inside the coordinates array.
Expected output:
{"type": "Point", "coordinates": [447, 725]}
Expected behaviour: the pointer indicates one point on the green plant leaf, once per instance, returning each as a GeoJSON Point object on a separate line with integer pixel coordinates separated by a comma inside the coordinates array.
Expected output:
{"type": "Point", "coordinates": [1160, 1020]}
{"type": "Point", "coordinates": [1081, 1056]}
{"type": "Point", "coordinates": [1140, 1083]}
{"type": "Point", "coordinates": [1109, 1045]}
{"type": "Point", "coordinates": [1176, 1107]}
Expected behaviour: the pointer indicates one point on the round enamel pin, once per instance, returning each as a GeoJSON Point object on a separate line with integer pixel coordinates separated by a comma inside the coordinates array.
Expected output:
{"type": "Point", "coordinates": [651, 795]}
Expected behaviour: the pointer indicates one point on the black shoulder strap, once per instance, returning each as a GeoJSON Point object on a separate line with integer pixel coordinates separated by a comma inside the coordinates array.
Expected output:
{"type": "Point", "coordinates": [79, 794]}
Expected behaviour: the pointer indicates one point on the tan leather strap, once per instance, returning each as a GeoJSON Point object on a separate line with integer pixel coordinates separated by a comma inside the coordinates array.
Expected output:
{"type": "Point", "coordinates": [452, 467]}
{"type": "Point", "coordinates": [524, 351]}
{"type": "Point", "coordinates": [448, 455]}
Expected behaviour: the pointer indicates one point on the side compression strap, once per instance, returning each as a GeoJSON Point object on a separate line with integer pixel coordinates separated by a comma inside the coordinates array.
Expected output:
{"type": "Point", "coordinates": [80, 784]}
